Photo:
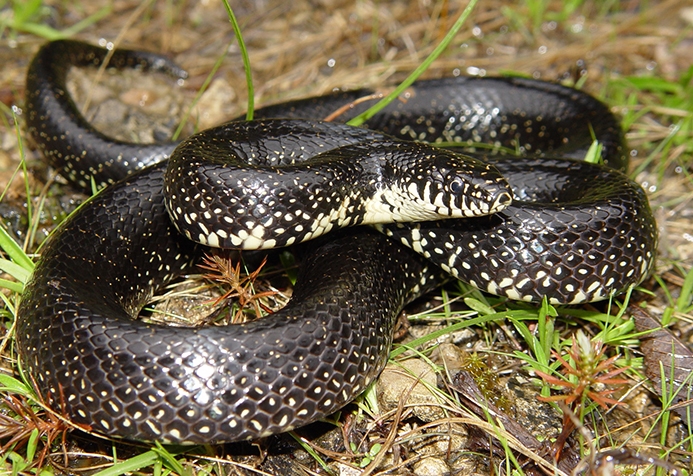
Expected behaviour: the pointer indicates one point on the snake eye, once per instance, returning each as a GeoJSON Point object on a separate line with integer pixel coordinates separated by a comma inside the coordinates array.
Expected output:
{"type": "Point", "coordinates": [457, 185]}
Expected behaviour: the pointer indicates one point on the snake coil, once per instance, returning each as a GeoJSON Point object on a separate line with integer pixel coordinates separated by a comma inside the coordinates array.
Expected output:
{"type": "Point", "coordinates": [574, 232]}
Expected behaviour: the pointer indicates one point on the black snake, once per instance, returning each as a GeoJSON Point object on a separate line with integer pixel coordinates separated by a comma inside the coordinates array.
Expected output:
{"type": "Point", "coordinates": [574, 232]}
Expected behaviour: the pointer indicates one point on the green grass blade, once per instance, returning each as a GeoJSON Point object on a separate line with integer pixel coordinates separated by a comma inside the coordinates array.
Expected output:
{"type": "Point", "coordinates": [169, 459]}
{"type": "Point", "coordinates": [684, 303]}
{"type": "Point", "coordinates": [9, 300]}
{"type": "Point", "coordinates": [363, 117]}
{"type": "Point", "coordinates": [498, 316]}
{"type": "Point", "coordinates": [27, 24]}
{"type": "Point", "coordinates": [14, 386]}
{"type": "Point", "coordinates": [12, 285]}
{"type": "Point", "coordinates": [314, 454]}
{"type": "Point", "coordinates": [32, 444]}
{"type": "Point", "coordinates": [24, 10]}
{"type": "Point", "coordinates": [16, 271]}
{"type": "Point", "coordinates": [594, 153]}
{"type": "Point", "coordinates": [478, 306]}
{"type": "Point", "coordinates": [246, 61]}
{"type": "Point", "coordinates": [14, 251]}
{"type": "Point", "coordinates": [131, 464]}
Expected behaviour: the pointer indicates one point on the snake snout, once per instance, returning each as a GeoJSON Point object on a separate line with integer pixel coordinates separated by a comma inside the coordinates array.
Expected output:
{"type": "Point", "coordinates": [476, 192]}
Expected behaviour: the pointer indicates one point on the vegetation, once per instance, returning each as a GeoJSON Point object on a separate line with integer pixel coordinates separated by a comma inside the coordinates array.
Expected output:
{"type": "Point", "coordinates": [631, 54]}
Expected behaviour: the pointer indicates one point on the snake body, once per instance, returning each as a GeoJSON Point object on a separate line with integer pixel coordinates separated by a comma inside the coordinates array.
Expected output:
{"type": "Point", "coordinates": [120, 376]}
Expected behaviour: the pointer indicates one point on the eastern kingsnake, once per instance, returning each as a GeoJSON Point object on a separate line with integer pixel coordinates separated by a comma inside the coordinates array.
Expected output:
{"type": "Point", "coordinates": [119, 376]}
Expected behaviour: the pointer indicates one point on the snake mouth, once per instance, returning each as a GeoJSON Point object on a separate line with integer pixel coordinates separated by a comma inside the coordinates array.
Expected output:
{"type": "Point", "coordinates": [502, 201]}
{"type": "Point", "coordinates": [485, 202]}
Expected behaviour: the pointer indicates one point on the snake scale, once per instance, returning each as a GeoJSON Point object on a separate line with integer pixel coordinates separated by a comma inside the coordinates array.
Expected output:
{"type": "Point", "coordinates": [574, 232]}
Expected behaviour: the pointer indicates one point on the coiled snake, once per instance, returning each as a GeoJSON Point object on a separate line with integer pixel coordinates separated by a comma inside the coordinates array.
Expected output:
{"type": "Point", "coordinates": [574, 232]}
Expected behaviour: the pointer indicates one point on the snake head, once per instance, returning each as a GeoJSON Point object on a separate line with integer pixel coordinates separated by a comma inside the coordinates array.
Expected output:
{"type": "Point", "coordinates": [470, 187]}
{"type": "Point", "coordinates": [445, 184]}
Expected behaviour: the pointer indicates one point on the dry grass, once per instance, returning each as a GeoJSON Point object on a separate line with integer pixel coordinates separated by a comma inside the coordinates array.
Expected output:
{"type": "Point", "coordinates": [302, 47]}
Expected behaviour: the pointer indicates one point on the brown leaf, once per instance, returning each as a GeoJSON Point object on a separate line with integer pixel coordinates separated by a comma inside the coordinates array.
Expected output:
{"type": "Point", "coordinates": [661, 348]}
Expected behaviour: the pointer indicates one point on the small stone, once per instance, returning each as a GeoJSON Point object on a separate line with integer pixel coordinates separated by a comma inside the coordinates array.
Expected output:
{"type": "Point", "coordinates": [452, 356]}
{"type": "Point", "coordinates": [216, 105]}
{"type": "Point", "coordinates": [431, 467]}
{"type": "Point", "coordinates": [412, 380]}
{"type": "Point", "coordinates": [346, 470]}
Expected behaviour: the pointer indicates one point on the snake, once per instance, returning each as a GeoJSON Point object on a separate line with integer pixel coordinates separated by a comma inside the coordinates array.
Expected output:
{"type": "Point", "coordinates": [379, 215]}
